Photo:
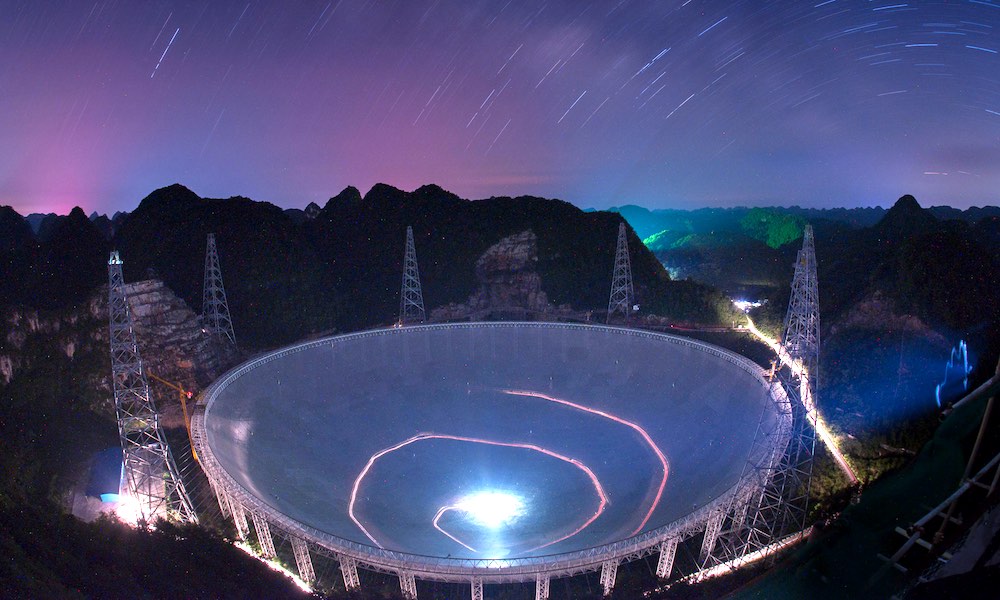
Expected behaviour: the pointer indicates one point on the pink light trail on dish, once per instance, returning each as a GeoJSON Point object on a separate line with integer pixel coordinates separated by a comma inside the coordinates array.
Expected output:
{"type": "Point", "coordinates": [639, 430]}
{"type": "Point", "coordinates": [437, 517]}
{"type": "Point", "coordinates": [602, 496]}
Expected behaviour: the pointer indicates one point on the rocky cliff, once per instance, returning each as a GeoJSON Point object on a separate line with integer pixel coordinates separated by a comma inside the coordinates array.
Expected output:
{"type": "Point", "coordinates": [171, 339]}
{"type": "Point", "coordinates": [171, 344]}
{"type": "Point", "coordinates": [507, 283]}
{"type": "Point", "coordinates": [879, 313]}
{"type": "Point", "coordinates": [31, 336]}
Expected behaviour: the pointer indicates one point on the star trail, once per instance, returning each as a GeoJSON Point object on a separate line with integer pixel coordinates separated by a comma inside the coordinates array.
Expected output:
{"type": "Point", "coordinates": [665, 104]}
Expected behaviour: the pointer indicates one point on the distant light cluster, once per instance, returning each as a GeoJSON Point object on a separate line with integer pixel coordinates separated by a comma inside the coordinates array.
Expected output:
{"type": "Point", "coordinates": [746, 305]}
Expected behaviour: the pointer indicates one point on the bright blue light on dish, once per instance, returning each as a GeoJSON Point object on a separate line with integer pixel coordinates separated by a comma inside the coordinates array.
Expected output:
{"type": "Point", "coordinates": [491, 509]}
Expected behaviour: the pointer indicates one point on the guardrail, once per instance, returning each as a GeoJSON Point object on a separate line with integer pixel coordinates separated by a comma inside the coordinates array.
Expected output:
{"type": "Point", "coordinates": [916, 532]}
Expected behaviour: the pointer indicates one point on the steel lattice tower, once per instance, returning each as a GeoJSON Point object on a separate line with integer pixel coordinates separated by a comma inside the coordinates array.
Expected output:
{"type": "Point", "coordinates": [775, 503]}
{"type": "Point", "coordinates": [214, 307]}
{"type": "Point", "coordinates": [149, 473]}
{"type": "Point", "coordinates": [622, 292]}
{"type": "Point", "coordinates": [801, 339]}
{"type": "Point", "coordinates": [411, 298]}
{"type": "Point", "coordinates": [784, 503]}
{"type": "Point", "coordinates": [801, 381]}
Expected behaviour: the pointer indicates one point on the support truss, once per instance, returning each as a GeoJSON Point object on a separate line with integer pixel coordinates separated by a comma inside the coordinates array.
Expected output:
{"type": "Point", "coordinates": [349, 569]}
{"type": "Point", "coordinates": [411, 298]}
{"type": "Point", "coordinates": [477, 588]}
{"type": "Point", "coordinates": [622, 293]}
{"type": "Point", "coordinates": [749, 524]}
{"type": "Point", "coordinates": [220, 495]}
{"type": "Point", "coordinates": [263, 535]}
{"type": "Point", "coordinates": [214, 306]}
{"type": "Point", "coordinates": [239, 518]}
{"type": "Point", "coordinates": [794, 473]}
{"type": "Point", "coordinates": [302, 560]}
{"type": "Point", "coordinates": [609, 571]}
{"type": "Point", "coordinates": [741, 505]}
{"type": "Point", "coordinates": [668, 552]}
{"type": "Point", "coordinates": [408, 585]}
{"type": "Point", "coordinates": [542, 587]}
{"type": "Point", "coordinates": [149, 474]}
{"type": "Point", "coordinates": [712, 529]}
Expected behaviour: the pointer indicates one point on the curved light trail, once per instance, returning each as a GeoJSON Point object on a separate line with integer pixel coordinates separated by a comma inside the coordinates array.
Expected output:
{"type": "Point", "coordinates": [642, 432]}
{"type": "Point", "coordinates": [464, 506]}
{"type": "Point", "coordinates": [598, 488]}
{"type": "Point", "coordinates": [437, 517]}
{"type": "Point", "coordinates": [825, 435]}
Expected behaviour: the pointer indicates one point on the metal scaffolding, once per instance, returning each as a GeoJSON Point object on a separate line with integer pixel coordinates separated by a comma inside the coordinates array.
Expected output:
{"type": "Point", "coordinates": [149, 474]}
{"type": "Point", "coordinates": [411, 298]}
{"type": "Point", "coordinates": [214, 306]}
{"type": "Point", "coordinates": [922, 532]}
{"type": "Point", "coordinates": [622, 293]}
{"type": "Point", "coordinates": [712, 530]}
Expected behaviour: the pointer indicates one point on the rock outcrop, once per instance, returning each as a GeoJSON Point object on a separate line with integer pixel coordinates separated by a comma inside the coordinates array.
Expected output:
{"type": "Point", "coordinates": [171, 343]}
{"type": "Point", "coordinates": [171, 338]}
{"type": "Point", "coordinates": [508, 284]}
{"type": "Point", "coordinates": [507, 277]}
{"type": "Point", "coordinates": [63, 333]}
{"type": "Point", "coordinates": [876, 312]}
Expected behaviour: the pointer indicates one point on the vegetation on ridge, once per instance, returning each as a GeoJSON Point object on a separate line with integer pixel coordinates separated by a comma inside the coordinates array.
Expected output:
{"type": "Point", "coordinates": [889, 295]}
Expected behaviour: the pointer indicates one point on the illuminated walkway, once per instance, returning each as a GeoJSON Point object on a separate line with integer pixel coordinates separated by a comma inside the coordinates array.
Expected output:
{"type": "Point", "coordinates": [821, 429]}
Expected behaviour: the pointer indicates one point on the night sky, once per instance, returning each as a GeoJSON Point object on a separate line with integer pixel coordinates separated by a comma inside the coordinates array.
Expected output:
{"type": "Point", "coordinates": [665, 104]}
